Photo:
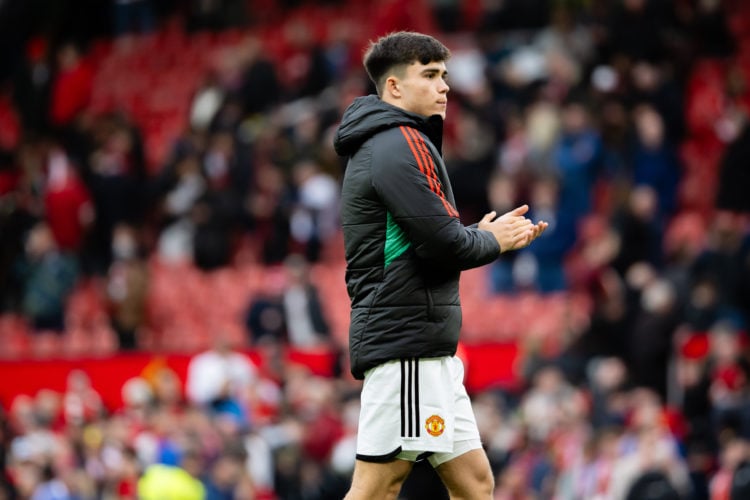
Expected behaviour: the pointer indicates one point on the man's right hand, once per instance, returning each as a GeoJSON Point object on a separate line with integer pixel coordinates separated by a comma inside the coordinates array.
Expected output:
{"type": "Point", "coordinates": [512, 230]}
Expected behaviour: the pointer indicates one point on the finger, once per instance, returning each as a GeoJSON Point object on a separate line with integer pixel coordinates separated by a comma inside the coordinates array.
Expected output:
{"type": "Point", "coordinates": [489, 217]}
{"type": "Point", "coordinates": [531, 235]}
{"type": "Point", "coordinates": [514, 219]}
{"type": "Point", "coordinates": [519, 231]}
{"type": "Point", "coordinates": [519, 210]}
{"type": "Point", "coordinates": [521, 223]}
{"type": "Point", "coordinates": [522, 238]}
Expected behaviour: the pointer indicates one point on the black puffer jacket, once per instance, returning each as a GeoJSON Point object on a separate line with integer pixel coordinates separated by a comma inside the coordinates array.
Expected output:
{"type": "Point", "coordinates": [405, 245]}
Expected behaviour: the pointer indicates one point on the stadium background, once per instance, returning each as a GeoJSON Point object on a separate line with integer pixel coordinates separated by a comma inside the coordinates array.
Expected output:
{"type": "Point", "coordinates": [164, 165]}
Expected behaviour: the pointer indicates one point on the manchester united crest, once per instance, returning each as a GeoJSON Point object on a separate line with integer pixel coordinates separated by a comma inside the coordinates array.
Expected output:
{"type": "Point", "coordinates": [435, 425]}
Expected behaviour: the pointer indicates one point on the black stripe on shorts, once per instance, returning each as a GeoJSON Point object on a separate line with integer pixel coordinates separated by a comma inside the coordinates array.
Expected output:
{"type": "Point", "coordinates": [410, 420]}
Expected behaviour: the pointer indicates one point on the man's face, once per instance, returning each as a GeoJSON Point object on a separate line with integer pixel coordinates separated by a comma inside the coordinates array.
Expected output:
{"type": "Point", "coordinates": [423, 88]}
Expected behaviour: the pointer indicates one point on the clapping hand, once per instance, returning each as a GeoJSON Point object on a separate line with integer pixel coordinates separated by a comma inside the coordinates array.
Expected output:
{"type": "Point", "coordinates": [512, 230]}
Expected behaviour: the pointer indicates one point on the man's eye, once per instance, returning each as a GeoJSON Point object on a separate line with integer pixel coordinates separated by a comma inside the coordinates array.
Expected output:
{"type": "Point", "coordinates": [432, 76]}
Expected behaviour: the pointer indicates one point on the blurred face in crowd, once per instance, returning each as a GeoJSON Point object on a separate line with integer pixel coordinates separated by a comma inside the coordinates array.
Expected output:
{"type": "Point", "coordinates": [724, 344]}
{"type": "Point", "coordinates": [574, 118]}
{"type": "Point", "coordinates": [40, 241]}
{"type": "Point", "coordinates": [67, 56]}
{"type": "Point", "coordinates": [650, 126]}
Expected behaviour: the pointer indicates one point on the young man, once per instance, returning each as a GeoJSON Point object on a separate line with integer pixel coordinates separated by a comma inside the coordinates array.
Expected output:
{"type": "Point", "coordinates": [405, 249]}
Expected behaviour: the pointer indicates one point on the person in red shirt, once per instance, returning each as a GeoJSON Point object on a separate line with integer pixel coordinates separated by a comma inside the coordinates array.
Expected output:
{"type": "Point", "coordinates": [68, 207]}
{"type": "Point", "coordinates": [71, 85]}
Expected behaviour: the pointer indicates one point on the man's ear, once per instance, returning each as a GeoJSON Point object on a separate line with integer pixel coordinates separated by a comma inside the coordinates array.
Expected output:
{"type": "Point", "coordinates": [392, 87]}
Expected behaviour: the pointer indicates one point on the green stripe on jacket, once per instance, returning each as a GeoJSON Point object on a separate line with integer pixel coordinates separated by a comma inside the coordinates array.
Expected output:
{"type": "Point", "coordinates": [395, 240]}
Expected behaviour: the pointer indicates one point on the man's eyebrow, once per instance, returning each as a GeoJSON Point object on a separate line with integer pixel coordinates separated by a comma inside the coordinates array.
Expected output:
{"type": "Point", "coordinates": [428, 71]}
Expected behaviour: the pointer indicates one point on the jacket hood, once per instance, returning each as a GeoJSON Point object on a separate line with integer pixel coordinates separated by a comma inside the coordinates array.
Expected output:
{"type": "Point", "coordinates": [368, 115]}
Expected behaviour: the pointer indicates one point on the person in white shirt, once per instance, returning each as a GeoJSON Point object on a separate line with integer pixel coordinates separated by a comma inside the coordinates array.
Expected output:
{"type": "Point", "coordinates": [219, 378]}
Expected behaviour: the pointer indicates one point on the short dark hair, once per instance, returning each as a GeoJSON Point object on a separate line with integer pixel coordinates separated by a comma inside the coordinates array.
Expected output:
{"type": "Point", "coordinates": [401, 48]}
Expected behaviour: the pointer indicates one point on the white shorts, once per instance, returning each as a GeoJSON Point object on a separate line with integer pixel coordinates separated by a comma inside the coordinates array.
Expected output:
{"type": "Point", "coordinates": [415, 408]}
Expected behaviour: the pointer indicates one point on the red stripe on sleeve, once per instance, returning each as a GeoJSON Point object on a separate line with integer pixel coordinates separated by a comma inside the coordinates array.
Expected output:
{"type": "Point", "coordinates": [429, 167]}
{"type": "Point", "coordinates": [418, 157]}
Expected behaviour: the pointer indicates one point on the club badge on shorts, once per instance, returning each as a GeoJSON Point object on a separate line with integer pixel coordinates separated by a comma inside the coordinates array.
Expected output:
{"type": "Point", "coordinates": [435, 425]}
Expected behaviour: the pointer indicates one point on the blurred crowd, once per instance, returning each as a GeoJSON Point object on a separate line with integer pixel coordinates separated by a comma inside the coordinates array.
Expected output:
{"type": "Point", "coordinates": [623, 123]}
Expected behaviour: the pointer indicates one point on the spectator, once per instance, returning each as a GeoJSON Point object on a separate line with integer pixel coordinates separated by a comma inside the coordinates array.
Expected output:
{"type": "Point", "coordinates": [68, 206]}
{"type": "Point", "coordinates": [302, 69]}
{"type": "Point", "coordinates": [540, 268]}
{"type": "Point", "coordinates": [470, 162]}
{"type": "Point", "coordinates": [127, 286]}
{"type": "Point", "coordinates": [648, 447]}
{"type": "Point", "coordinates": [260, 88]}
{"type": "Point", "coordinates": [137, 401]}
{"type": "Point", "coordinates": [651, 334]}
{"type": "Point", "coordinates": [498, 428]}
{"type": "Point", "coordinates": [733, 455]}
{"type": "Point", "coordinates": [269, 207]}
{"type": "Point", "coordinates": [264, 319]}
{"type": "Point", "coordinates": [218, 380]}
{"type": "Point", "coordinates": [212, 221]}
{"type": "Point", "coordinates": [215, 215]}
{"type": "Point", "coordinates": [607, 332]}
{"type": "Point", "coordinates": [655, 162]}
{"type": "Point", "coordinates": [640, 229]}
{"type": "Point", "coordinates": [315, 217]}
{"type": "Point", "coordinates": [306, 324]}
{"type": "Point", "coordinates": [166, 482]}
{"type": "Point", "coordinates": [32, 86]}
{"type": "Point", "coordinates": [728, 372]}
{"type": "Point", "coordinates": [126, 479]}
{"type": "Point", "coordinates": [82, 404]}
{"type": "Point", "coordinates": [654, 88]}
{"type": "Point", "coordinates": [589, 475]}
{"type": "Point", "coordinates": [502, 194]}
{"type": "Point", "coordinates": [608, 384]}
{"type": "Point", "coordinates": [566, 34]}
{"type": "Point", "coordinates": [542, 404]}
{"type": "Point", "coordinates": [591, 258]}
{"type": "Point", "coordinates": [48, 276]}
{"type": "Point", "coordinates": [186, 184]}
{"type": "Point", "coordinates": [683, 241]}
{"type": "Point", "coordinates": [227, 478]}
{"type": "Point", "coordinates": [71, 85]}
{"type": "Point", "coordinates": [116, 178]}
{"type": "Point", "coordinates": [577, 157]}
{"type": "Point", "coordinates": [167, 389]}
{"type": "Point", "coordinates": [723, 262]}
